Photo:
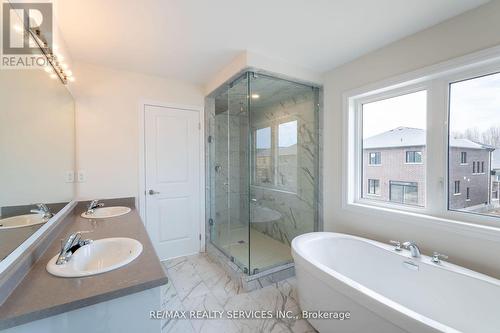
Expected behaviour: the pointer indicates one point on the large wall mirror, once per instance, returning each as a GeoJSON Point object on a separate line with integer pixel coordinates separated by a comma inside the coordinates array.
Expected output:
{"type": "Point", "coordinates": [37, 157]}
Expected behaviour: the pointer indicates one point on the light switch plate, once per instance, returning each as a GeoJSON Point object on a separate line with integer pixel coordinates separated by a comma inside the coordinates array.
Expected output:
{"type": "Point", "coordinates": [81, 176]}
{"type": "Point", "coordinates": [70, 176]}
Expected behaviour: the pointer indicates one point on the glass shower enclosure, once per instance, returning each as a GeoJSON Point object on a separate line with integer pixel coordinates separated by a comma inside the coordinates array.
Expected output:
{"type": "Point", "coordinates": [262, 168]}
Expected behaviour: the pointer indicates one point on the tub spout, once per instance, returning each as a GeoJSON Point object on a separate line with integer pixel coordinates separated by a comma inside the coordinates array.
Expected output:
{"type": "Point", "coordinates": [414, 249]}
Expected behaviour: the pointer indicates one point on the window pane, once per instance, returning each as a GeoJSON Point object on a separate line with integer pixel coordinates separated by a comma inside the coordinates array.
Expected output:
{"type": "Point", "coordinates": [409, 157]}
{"type": "Point", "coordinates": [394, 136]}
{"type": "Point", "coordinates": [287, 156]}
{"type": "Point", "coordinates": [413, 157]}
{"type": "Point", "coordinates": [263, 156]}
{"type": "Point", "coordinates": [396, 193]}
{"type": "Point", "coordinates": [418, 157]}
{"type": "Point", "coordinates": [411, 194]}
{"type": "Point", "coordinates": [475, 133]}
{"type": "Point", "coordinates": [375, 158]}
{"type": "Point", "coordinates": [374, 186]}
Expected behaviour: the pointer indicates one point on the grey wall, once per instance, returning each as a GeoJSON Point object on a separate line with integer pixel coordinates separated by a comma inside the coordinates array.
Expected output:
{"type": "Point", "coordinates": [472, 31]}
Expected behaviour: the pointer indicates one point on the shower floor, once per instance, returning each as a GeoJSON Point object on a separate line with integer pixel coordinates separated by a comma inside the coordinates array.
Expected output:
{"type": "Point", "coordinates": [264, 251]}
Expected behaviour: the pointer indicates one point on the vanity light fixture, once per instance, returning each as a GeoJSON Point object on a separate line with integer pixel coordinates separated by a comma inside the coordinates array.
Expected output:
{"type": "Point", "coordinates": [255, 96]}
{"type": "Point", "coordinates": [55, 66]}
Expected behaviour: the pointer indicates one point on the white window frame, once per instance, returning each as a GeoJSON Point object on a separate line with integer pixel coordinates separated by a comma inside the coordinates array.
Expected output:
{"type": "Point", "coordinates": [370, 158]}
{"type": "Point", "coordinates": [374, 194]}
{"type": "Point", "coordinates": [455, 187]}
{"type": "Point", "coordinates": [463, 153]}
{"type": "Point", "coordinates": [436, 80]}
{"type": "Point", "coordinates": [274, 126]}
{"type": "Point", "coordinates": [358, 150]}
{"type": "Point", "coordinates": [414, 154]}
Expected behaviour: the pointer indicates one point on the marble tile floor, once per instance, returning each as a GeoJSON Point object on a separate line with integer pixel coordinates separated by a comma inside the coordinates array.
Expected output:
{"type": "Point", "coordinates": [198, 283]}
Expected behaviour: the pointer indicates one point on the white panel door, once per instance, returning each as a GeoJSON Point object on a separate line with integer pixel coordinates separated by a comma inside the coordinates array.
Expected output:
{"type": "Point", "coordinates": [172, 157]}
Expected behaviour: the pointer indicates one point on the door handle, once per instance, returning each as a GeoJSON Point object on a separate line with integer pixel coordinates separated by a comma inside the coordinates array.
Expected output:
{"type": "Point", "coordinates": [153, 192]}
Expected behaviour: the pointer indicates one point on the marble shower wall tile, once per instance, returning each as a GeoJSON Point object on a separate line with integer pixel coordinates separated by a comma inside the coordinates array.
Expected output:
{"type": "Point", "coordinates": [298, 210]}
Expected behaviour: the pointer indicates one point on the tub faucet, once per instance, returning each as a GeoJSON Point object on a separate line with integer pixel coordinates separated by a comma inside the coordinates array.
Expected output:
{"type": "Point", "coordinates": [92, 206]}
{"type": "Point", "coordinates": [397, 245]}
{"type": "Point", "coordinates": [414, 250]}
{"type": "Point", "coordinates": [437, 257]}
{"type": "Point", "coordinates": [43, 210]}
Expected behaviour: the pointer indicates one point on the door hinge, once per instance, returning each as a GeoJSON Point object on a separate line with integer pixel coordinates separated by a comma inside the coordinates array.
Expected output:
{"type": "Point", "coordinates": [200, 236]}
{"type": "Point", "coordinates": [209, 139]}
{"type": "Point", "coordinates": [210, 222]}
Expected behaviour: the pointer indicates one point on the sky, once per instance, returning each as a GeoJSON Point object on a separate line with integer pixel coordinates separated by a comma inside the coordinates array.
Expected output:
{"type": "Point", "coordinates": [263, 138]}
{"type": "Point", "coordinates": [287, 135]}
{"type": "Point", "coordinates": [474, 103]}
{"type": "Point", "coordinates": [407, 110]}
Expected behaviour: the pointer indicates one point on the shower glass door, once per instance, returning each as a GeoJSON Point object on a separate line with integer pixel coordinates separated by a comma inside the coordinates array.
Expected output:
{"type": "Point", "coordinates": [228, 160]}
{"type": "Point", "coordinates": [263, 168]}
{"type": "Point", "coordinates": [283, 168]}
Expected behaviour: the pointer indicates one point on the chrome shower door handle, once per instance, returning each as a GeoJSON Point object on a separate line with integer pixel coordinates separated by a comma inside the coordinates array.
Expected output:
{"type": "Point", "coordinates": [153, 192]}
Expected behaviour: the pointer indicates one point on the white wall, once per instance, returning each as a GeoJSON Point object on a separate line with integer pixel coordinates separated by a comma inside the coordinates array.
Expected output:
{"type": "Point", "coordinates": [37, 134]}
{"type": "Point", "coordinates": [107, 103]}
{"type": "Point", "coordinates": [469, 32]}
{"type": "Point", "coordinates": [248, 59]}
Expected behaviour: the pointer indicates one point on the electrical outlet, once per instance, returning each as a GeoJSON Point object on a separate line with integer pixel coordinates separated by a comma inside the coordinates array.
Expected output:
{"type": "Point", "coordinates": [81, 176]}
{"type": "Point", "coordinates": [70, 176]}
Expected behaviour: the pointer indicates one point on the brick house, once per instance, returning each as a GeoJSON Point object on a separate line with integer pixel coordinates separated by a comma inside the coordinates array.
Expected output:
{"type": "Point", "coordinates": [394, 169]}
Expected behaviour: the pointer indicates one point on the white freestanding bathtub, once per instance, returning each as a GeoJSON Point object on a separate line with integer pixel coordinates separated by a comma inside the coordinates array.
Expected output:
{"type": "Point", "coordinates": [387, 291]}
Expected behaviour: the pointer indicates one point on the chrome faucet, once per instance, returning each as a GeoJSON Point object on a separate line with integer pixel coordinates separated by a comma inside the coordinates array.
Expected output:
{"type": "Point", "coordinates": [92, 206]}
{"type": "Point", "coordinates": [414, 250]}
{"type": "Point", "coordinates": [437, 257]}
{"type": "Point", "coordinates": [397, 245]}
{"type": "Point", "coordinates": [43, 210]}
{"type": "Point", "coordinates": [73, 243]}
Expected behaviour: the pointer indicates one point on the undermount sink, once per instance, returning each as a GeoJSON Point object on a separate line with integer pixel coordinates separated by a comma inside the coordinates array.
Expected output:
{"type": "Point", "coordinates": [107, 212]}
{"type": "Point", "coordinates": [98, 257]}
{"type": "Point", "coordinates": [261, 214]}
{"type": "Point", "coordinates": [22, 221]}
